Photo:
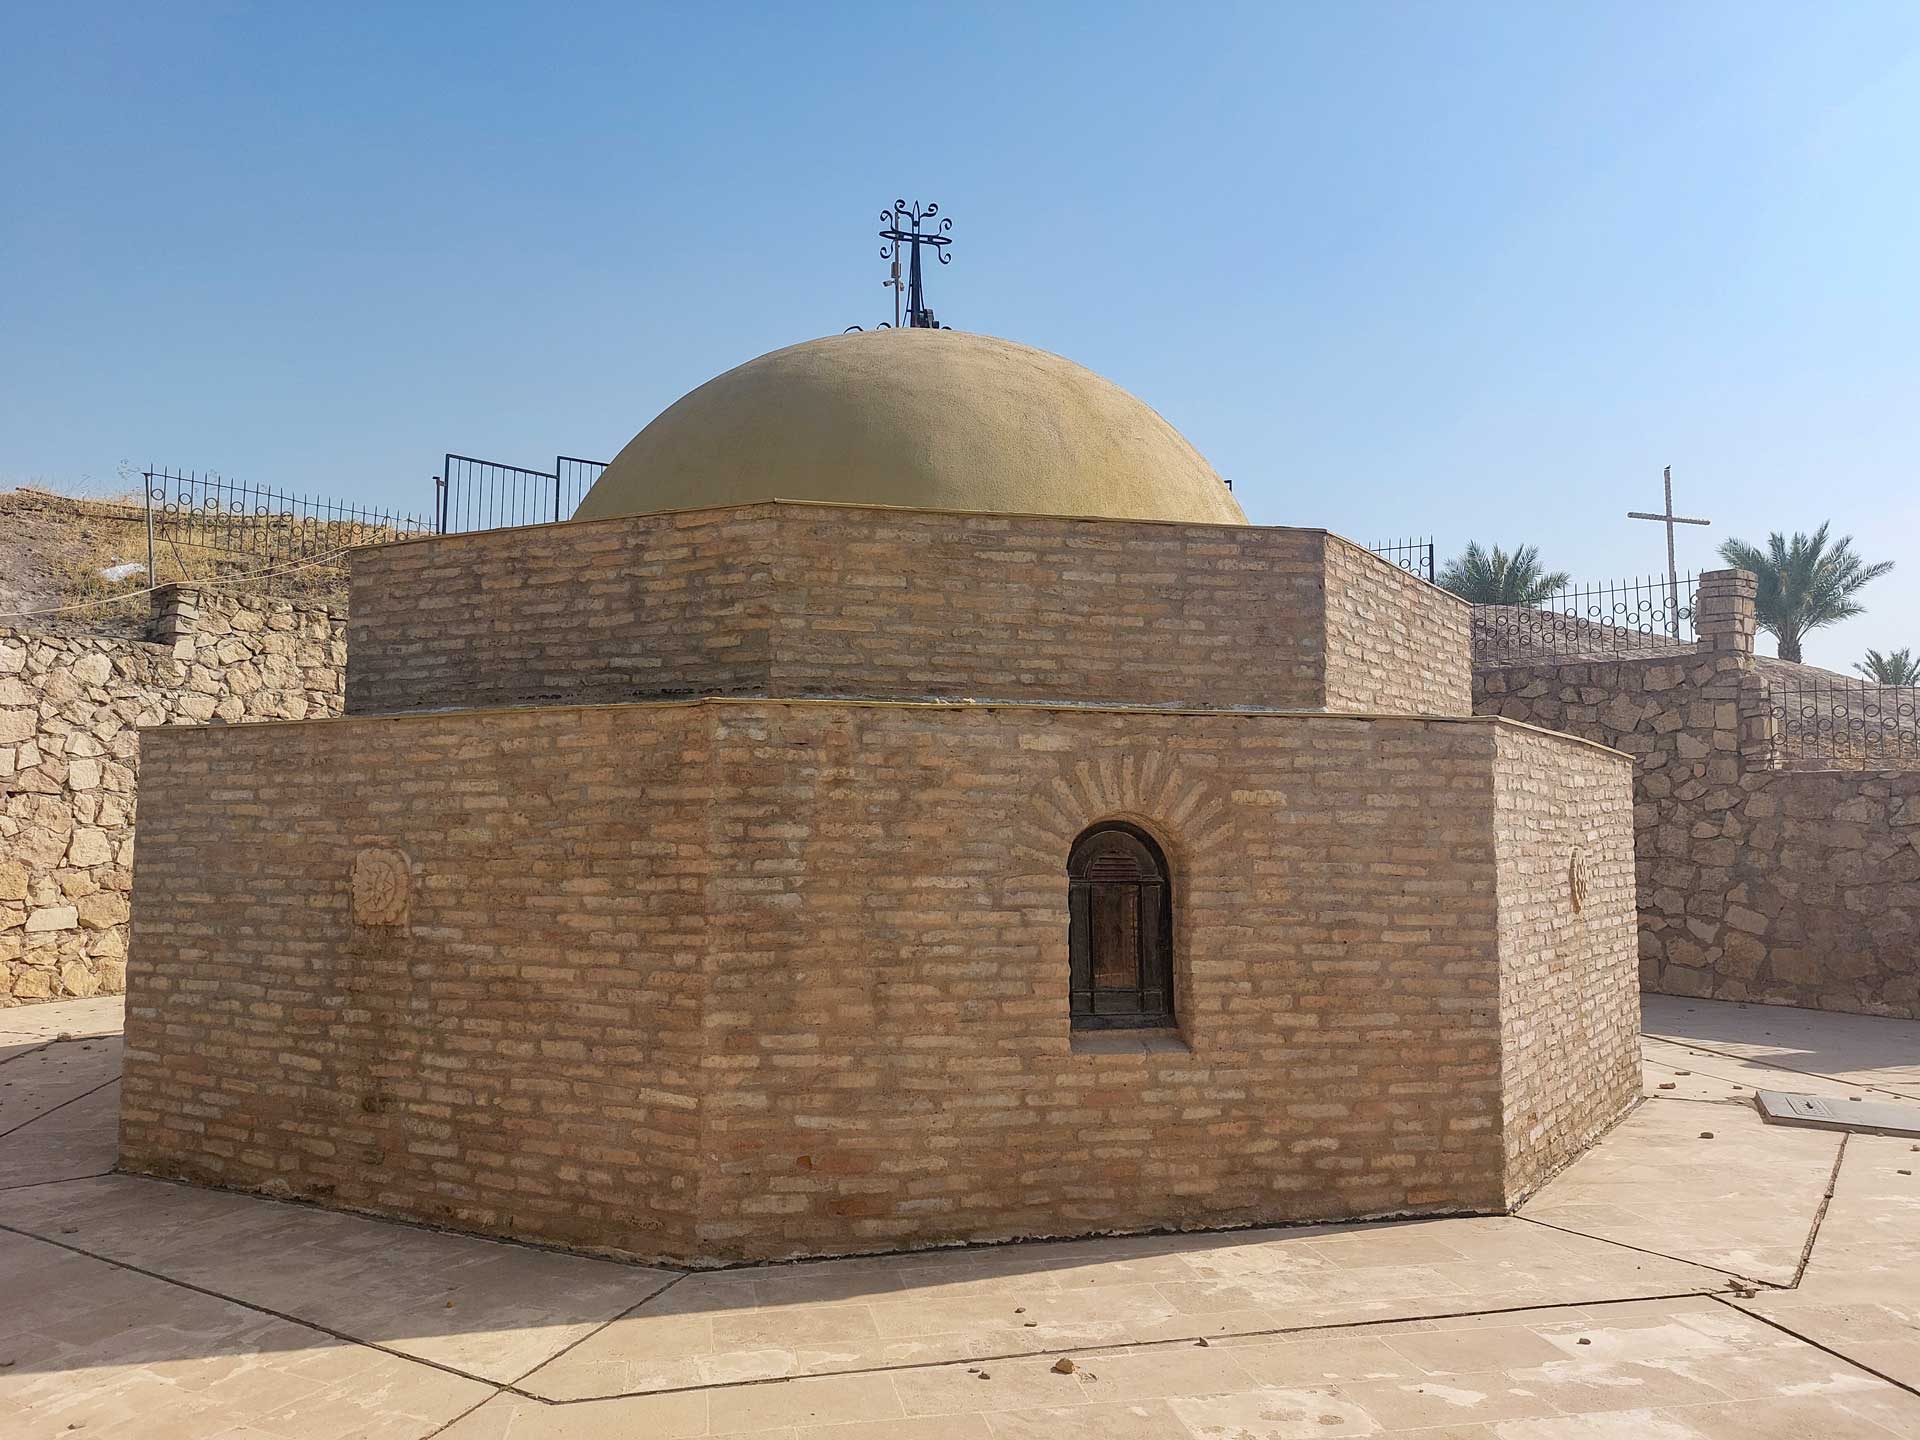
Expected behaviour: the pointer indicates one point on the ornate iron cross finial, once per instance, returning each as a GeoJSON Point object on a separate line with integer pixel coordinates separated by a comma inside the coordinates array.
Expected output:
{"type": "Point", "coordinates": [904, 224]}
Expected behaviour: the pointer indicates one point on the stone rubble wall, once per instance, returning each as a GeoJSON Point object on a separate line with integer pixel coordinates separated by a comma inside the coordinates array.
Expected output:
{"type": "Point", "coordinates": [71, 704]}
{"type": "Point", "coordinates": [1787, 888]}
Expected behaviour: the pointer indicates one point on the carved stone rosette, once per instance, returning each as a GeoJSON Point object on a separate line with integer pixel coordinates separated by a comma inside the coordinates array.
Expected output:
{"type": "Point", "coordinates": [382, 887]}
{"type": "Point", "coordinates": [1577, 881]}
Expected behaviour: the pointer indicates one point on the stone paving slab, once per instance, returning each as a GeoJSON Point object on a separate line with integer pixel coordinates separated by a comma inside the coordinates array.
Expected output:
{"type": "Point", "coordinates": [127, 1355]}
{"type": "Point", "coordinates": [842, 1316]}
{"type": "Point", "coordinates": [1744, 1201]}
{"type": "Point", "coordinates": [482, 1307]}
{"type": "Point", "coordinates": [1696, 1074]}
{"type": "Point", "coordinates": [1861, 1291]}
{"type": "Point", "coordinates": [78, 1139]}
{"type": "Point", "coordinates": [1858, 1049]}
{"type": "Point", "coordinates": [35, 1081]}
{"type": "Point", "coordinates": [37, 1024]}
{"type": "Point", "coordinates": [1656, 1370]}
{"type": "Point", "coordinates": [90, 1351]}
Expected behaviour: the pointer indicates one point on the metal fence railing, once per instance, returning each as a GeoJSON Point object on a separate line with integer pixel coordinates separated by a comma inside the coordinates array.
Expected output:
{"type": "Point", "coordinates": [187, 508]}
{"type": "Point", "coordinates": [1413, 556]}
{"type": "Point", "coordinates": [1816, 721]}
{"type": "Point", "coordinates": [474, 494]}
{"type": "Point", "coordinates": [1619, 620]}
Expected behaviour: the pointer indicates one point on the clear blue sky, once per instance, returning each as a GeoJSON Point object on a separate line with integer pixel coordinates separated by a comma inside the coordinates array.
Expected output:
{"type": "Point", "coordinates": [1479, 270]}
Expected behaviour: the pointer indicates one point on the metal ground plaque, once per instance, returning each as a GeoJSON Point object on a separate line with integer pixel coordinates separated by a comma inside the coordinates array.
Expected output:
{"type": "Point", "coordinates": [1863, 1117]}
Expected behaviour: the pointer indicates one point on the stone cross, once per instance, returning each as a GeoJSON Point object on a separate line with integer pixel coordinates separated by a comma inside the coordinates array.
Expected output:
{"type": "Point", "coordinates": [1673, 573]}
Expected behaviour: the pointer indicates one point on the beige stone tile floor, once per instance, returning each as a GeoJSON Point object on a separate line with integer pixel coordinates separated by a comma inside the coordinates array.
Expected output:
{"type": "Point", "coordinates": [36, 1080]}
{"type": "Point", "coordinates": [1862, 1050]}
{"type": "Point", "coordinates": [26, 1025]}
{"type": "Point", "coordinates": [1680, 1179]}
{"type": "Point", "coordinates": [1763, 1283]}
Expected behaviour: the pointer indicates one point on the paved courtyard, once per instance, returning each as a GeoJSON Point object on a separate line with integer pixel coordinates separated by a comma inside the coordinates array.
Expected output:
{"type": "Point", "coordinates": [1698, 1275]}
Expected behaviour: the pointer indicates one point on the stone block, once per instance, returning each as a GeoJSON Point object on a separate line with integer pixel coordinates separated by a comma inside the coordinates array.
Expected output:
{"type": "Point", "coordinates": [90, 847]}
{"type": "Point", "coordinates": [101, 910]}
{"type": "Point", "coordinates": [77, 979]}
{"type": "Point", "coordinates": [94, 669]}
{"type": "Point", "coordinates": [32, 985]}
{"type": "Point", "coordinates": [52, 917]}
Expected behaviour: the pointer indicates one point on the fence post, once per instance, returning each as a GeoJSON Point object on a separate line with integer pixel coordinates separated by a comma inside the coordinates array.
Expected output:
{"type": "Point", "coordinates": [146, 494]}
{"type": "Point", "coordinates": [1724, 619]}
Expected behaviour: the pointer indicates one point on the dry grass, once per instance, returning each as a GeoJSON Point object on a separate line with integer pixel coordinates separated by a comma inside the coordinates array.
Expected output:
{"type": "Point", "coordinates": [53, 549]}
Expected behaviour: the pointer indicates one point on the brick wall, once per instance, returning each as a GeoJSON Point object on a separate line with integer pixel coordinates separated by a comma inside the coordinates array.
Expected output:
{"type": "Point", "coordinates": [70, 703]}
{"type": "Point", "coordinates": [1754, 884]}
{"type": "Point", "coordinates": [1570, 1031]}
{"type": "Point", "coordinates": [1393, 642]}
{"type": "Point", "coordinates": [919, 603]}
{"type": "Point", "coordinates": [517, 1057]}
{"type": "Point", "coordinates": [742, 979]}
{"type": "Point", "coordinates": [656, 605]}
{"type": "Point", "coordinates": [790, 599]}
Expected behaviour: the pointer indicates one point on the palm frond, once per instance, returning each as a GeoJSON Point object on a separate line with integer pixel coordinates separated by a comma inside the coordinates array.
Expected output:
{"type": "Point", "coordinates": [1805, 582]}
{"type": "Point", "coordinates": [1493, 577]}
{"type": "Point", "coordinates": [1897, 668]}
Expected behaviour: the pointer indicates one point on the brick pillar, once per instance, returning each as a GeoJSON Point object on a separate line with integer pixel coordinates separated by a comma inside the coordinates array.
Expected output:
{"type": "Point", "coordinates": [175, 618]}
{"type": "Point", "coordinates": [1724, 621]}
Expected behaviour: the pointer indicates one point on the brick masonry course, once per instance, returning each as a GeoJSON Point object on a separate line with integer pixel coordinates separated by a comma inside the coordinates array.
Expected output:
{"type": "Point", "coordinates": [788, 599]}
{"type": "Point", "coordinates": [733, 980]}
{"type": "Point", "coordinates": [1569, 1027]}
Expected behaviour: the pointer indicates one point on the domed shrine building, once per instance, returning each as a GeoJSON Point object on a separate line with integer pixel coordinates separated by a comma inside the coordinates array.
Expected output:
{"type": "Point", "coordinates": [907, 804]}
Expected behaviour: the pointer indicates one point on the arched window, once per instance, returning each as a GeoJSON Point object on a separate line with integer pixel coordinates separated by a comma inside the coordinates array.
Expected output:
{"type": "Point", "coordinates": [1120, 930]}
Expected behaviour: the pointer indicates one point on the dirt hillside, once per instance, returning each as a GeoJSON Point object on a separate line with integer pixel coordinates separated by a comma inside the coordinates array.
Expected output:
{"type": "Point", "coordinates": [85, 561]}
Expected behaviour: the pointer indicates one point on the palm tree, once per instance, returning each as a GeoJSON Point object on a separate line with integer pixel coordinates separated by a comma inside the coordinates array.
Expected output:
{"type": "Point", "coordinates": [1899, 668]}
{"type": "Point", "coordinates": [1804, 584]}
{"type": "Point", "coordinates": [1499, 578]}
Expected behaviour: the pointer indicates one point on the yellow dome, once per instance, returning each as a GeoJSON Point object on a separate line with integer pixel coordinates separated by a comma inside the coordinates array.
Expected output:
{"type": "Point", "coordinates": [934, 419]}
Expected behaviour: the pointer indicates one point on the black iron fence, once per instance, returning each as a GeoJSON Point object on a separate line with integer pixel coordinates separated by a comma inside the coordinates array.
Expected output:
{"type": "Point", "coordinates": [474, 494]}
{"type": "Point", "coordinates": [1620, 620]}
{"type": "Point", "coordinates": [187, 508]}
{"type": "Point", "coordinates": [1413, 556]}
{"type": "Point", "coordinates": [1815, 721]}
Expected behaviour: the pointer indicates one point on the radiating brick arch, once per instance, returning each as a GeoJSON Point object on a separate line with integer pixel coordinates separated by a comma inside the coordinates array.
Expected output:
{"type": "Point", "coordinates": [1185, 813]}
